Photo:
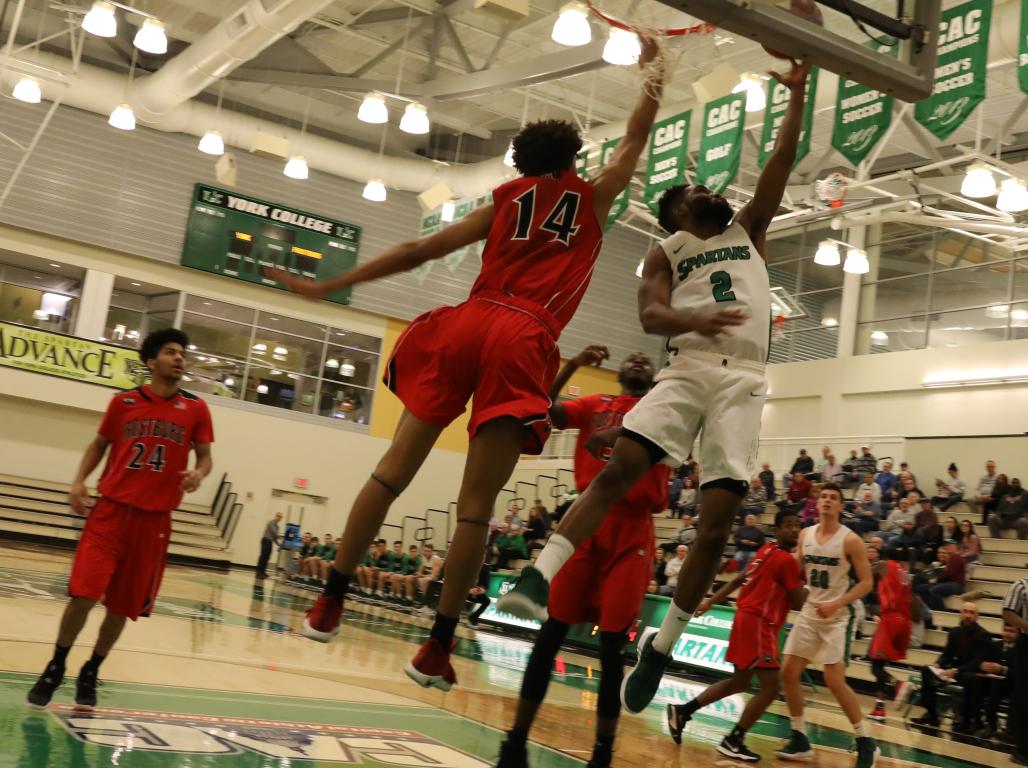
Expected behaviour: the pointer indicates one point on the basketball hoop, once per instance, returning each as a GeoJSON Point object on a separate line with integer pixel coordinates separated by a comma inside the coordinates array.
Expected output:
{"type": "Point", "coordinates": [832, 190]}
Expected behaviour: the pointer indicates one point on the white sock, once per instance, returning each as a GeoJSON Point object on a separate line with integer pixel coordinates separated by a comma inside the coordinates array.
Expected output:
{"type": "Point", "coordinates": [671, 629]}
{"type": "Point", "coordinates": [558, 550]}
{"type": "Point", "coordinates": [799, 724]}
{"type": "Point", "coordinates": [860, 729]}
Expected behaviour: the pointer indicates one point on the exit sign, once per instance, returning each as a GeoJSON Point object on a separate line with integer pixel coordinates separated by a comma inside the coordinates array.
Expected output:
{"type": "Point", "coordinates": [300, 482]}
{"type": "Point", "coordinates": [574, 391]}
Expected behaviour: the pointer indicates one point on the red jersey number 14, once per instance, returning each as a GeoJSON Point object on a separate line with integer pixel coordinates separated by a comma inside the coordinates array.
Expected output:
{"type": "Point", "coordinates": [560, 221]}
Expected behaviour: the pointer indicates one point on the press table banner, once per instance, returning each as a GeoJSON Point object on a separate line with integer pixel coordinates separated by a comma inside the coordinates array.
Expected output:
{"type": "Point", "coordinates": [777, 102]}
{"type": "Point", "coordinates": [721, 142]}
{"type": "Point", "coordinates": [960, 71]}
{"type": "Point", "coordinates": [665, 166]}
{"type": "Point", "coordinates": [237, 236]}
{"type": "Point", "coordinates": [621, 201]}
{"type": "Point", "coordinates": [70, 357]}
{"type": "Point", "coordinates": [862, 116]}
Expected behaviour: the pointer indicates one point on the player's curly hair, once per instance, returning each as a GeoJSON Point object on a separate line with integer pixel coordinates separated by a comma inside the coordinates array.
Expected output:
{"type": "Point", "coordinates": [666, 207]}
{"type": "Point", "coordinates": [781, 514]}
{"type": "Point", "coordinates": [152, 344]}
{"type": "Point", "coordinates": [546, 146]}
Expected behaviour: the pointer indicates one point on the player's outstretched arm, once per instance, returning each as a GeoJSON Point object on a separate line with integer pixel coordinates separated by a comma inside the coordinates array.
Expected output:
{"type": "Point", "coordinates": [594, 354]}
{"type": "Point", "coordinates": [400, 258]}
{"type": "Point", "coordinates": [722, 594]}
{"type": "Point", "coordinates": [78, 496]}
{"type": "Point", "coordinates": [615, 175]}
{"type": "Point", "coordinates": [756, 216]}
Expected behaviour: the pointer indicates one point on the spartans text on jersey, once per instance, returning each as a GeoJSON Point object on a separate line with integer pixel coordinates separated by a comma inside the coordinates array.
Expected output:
{"type": "Point", "coordinates": [732, 253]}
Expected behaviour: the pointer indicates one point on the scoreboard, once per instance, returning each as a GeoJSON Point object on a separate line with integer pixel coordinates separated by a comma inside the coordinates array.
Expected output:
{"type": "Point", "coordinates": [237, 236]}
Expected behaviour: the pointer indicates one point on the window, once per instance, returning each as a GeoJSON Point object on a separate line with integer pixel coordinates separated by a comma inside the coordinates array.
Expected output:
{"type": "Point", "coordinates": [39, 294]}
{"type": "Point", "coordinates": [131, 316]}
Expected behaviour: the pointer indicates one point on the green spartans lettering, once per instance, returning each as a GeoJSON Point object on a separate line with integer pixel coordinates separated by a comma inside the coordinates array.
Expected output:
{"type": "Point", "coordinates": [733, 253]}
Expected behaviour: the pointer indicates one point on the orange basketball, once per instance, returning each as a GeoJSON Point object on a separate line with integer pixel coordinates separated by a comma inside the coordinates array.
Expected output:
{"type": "Point", "coordinates": [805, 9]}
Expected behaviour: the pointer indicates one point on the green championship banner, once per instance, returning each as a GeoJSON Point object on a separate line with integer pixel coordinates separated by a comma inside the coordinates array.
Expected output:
{"type": "Point", "coordinates": [960, 72]}
{"type": "Point", "coordinates": [777, 102]}
{"type": "Point", "coordinates": [621, 201]}
{"type": "Point", "coordinates": [432, 222]}
{"type": "Point", "coordinates": [1022, 49]}
{"type": "Point", "coordinates": [724, 120]}
{"type": "Point", "coordinates": [582, 164]}
{"type": "Point", "coordinates": [237, 236]}
{"type": "Point", "coordinates": [69, 357]}
{"type": "Point", "coordinates": [862, 116]}
{"type": "Point", "coordinates": [665, 165]}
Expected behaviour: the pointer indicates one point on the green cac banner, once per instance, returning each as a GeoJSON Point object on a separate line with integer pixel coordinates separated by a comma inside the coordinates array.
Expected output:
{"type": "Point", "coordinates": [665, 167]}
{"type": "Point", "coordinates": [432, 222]}
{"type": "Point", "coordinates": [621, 201]}
{"type": "Point", "coordinates": [721, 142]}
{"type": "Point", "coordinates": [1022, 49]}
{"type": "Point", "coordinates": [862, 115]}
{"type": "Point", "coordinates": [774, 115]}
{"type": "Point", "coordinates": [960, 68]}
{"type": "Point", "coordinates": [582, 164]}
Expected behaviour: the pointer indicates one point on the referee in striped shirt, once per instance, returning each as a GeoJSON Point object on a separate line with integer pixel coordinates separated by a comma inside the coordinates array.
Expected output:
{"type": "Point", "coordinates": [1015, 612]}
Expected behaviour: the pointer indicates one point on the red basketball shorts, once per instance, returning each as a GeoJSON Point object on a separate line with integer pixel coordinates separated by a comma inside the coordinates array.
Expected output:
{"type": "Point", "coordinates": [605, 581]}
{"type": "Point", "coordinates": [891, 638]}
{"type": "Point", "coordinates": [505, 355]}
{"type": "Point", "coordinates": [753, 643]}
{"type": "Point", "coordinates": [120, 558]}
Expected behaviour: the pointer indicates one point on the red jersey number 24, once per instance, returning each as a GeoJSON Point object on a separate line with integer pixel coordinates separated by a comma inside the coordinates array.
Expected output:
{"type": "Point", "coordinates": [560, 221]}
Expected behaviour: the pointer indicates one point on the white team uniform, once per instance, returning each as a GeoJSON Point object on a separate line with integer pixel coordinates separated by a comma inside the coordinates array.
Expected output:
{"type": "Point", "coordinates": [713, 385]}
{"type": "Point", "coordinates": [823, 641]}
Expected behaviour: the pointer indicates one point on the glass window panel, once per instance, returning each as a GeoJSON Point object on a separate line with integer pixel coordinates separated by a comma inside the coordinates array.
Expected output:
{"type": "Point", "coordinates": [290, 353]}
{"type": "Point", "coordinates": [276, 322]}
{"type": "Point", "coordinates": [1019, 321]}
{"type": "Point", "coordinates": [1021, 279]}
{"type": "Point", "coordinates": [165, 302]}
{"type": "Point", "coordinates": [818, 278]}
{"type": "Point", "coordinates": [126, 300]}
{"type": "Point", "coordinates": [36, 308]}
{"type": "Point", "coordinates": [280, 389]}
{"type": "Point", "coordinates": [124, 326]}
{"type": "Point", "coordinates": [351, 367]}
{"type": "Point", "coordinates": [786, 274]}
{"type": "Point", "coordinates": [967, 326]}
{"type": "Point", "coordinates": [898, 335]}
{"type": "Point", "coordinates": [345, 402]}
{"type": "Point", "coordinates": [213, 336]}
{"type": "Point", "coordinates": [974, 286]}
{"type": "Point", "coordinates": [787, 247]}
{"type": "Point", "coordinates": [214, 375]}
{"type": "Point", "coordinates": [903, 250]}
{"type": "Point", "coordinates": [895, 298]}
{"type": "Point", "coordinates": [220, 309]}
{"type": "Point", "coordinates": [354, 340]}
{"type": "Point", "coordinates": [955, 250]}
{"type": "Point", "coordinates": [819, 306]}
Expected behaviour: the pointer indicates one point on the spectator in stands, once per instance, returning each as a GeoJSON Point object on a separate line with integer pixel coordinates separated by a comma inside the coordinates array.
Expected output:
{"type": "Point", "coordinates": [886, 482]}
{"type": "Point", "coordinates": [865, 514]}
{"type": "Point", "coordinates": [869, 486]}
{"type": "Point", "coordinates": [430, 570]}
{"type": "Point", "coordinates": [1011, 512]}
{"type": "Point", "coordinates": [674, 491]}
{"type": "Point", "coordinates": [684, 535]}
{"type": "Point", "coordinates": [926, 525]}
{"type": "Point", "coordinates": [850, 473]}
{"type": "Point", "coordinates": [755, 499]}
{"type": "Point", "coordinates": [966, 647]}
{"type": "Point", "coordinates": [515, 516]}
{"type": "Point", "coordinates": [328, 555]}
{"type": "Point", "coordinates": [908, 486]}
{"type": "Point", "coordinates": [951, 530]}
{"type": "Point", "coordinates": [748, 539]}
{"type": "Point", "coordinates": [479, 594]}
{"type": "Point", "coordinates": [1015, 612]}
{"type": "Point", "coordinates": [949, 490]}
{"type": "Point", "coordinates": [269, 539]}
{"type": "Point", "coordinates": [799, 490]}
{"type": "Point", "coordinates": [409, 567]}
{"type": "Point", "coordinates": [819, 470]}
{"type": "Point", "coordinates": [537, 528]}
{"type": "Point", "coordinates": [983, 491]}
{"type": "Point", "coordinates": [907, 544]}
{"type": "Point", "coordinates": [659, 563]}
{"type": "Point", "coordinates": [897, 520]}
{"type": "Point", "coordinates": [674, 565]}
{"type": "Point", "coordinates": [542, 511]}
{"type": "Point", "coordinates": [994, 684]}
{"type": "Point", "coordinates": [803, 464]}
{"type": "Point", "coordinates": [393, 565]}
{"type": "Point", "coordinates": [767, 477]}
{"type": "Point", "coordinates": [809, 512]}
{"type": "Point", "coordinates": [831, 472]}
{"type": "Point", "coordinates": [970, 546]}
{"type": "Point", "coordinates": [311, 567]}
{"type": "Point", "coordinates": [905, 469]}
{"type": "Point", "coordinates": [510, 545]}
{"type": "Point", "coordinates": [999, 490]}
{"type": "Point", "coordinates": [687, 499]}
{"type": "Point", "coordinates": [866, 463]}
{"type": "Point", "coordinates": [951, 581]}
{"type": "Point", "coordinates": [653, 588]}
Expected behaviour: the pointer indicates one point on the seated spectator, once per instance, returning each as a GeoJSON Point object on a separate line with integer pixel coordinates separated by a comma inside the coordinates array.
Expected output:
{"type": "Point", "coordinates": [865, 514]}
{"type": "Point", "coordinates": [767, 477]}
{"type": "Point", "coordinates": [926, 525]}
{"type": "Point", "coordinates": [894, 524]}
{"type": "Point", "coordinates": [994, 684]}
{"type": "Point", "coordinates": [684, 535]}
{"type": "Point", "coordinates": [514, 518]}
{"type": "Point", "coordinates": [886, 482]}
{"type": "Point", "coordinates": [659, 562]}
{"type": "Point", "coordinates": [688, 499]}
{"type": "Point", "coordinates": [538, 527]}
{"type": "Point", "coordinates": [393, 565]}
{"type": "Point", "coordinates": [804, 465]}
{"type": "Point", "coordinates": [851, 473]}
{"type": "Point", "coordinates": [566, 500]}
{"type": "Point", "coordinates": [674, 491]}
{"type": "Point", "coordinates": [542, 511]}
{"type": "Point", "coordinates": [429, 571]}
{"type": "Point", "coordinates": [748, 539]}
{"type": "Point", "coordinates": [1011, 512]}
{"type": "Point", "coordinates": [949, 490]}
{"type": "Point", "coordinates": [316, 566]}
{"type": "Point", "coordinates": [799, 490]}
{"type": "Point", "coordinates": [410, 566]}
{"type": "Point", "coordinates": [479, 595]}
{"type": "Point", "coordinates": [966, 648]}
{"type": "Point", "coordinates": [983, 491]}
{"type": "Point", "coordinates": [671, 570]}
{"type": "Point", "coordinates": [999, 490]}
{"type": "Point", "coordinates": [969, 546]}
{"type": "Point", "coordinates": [951, 581]}
{"type": "Point", "coordinates": [869, 486]}
{"type": "Point", "coordinates": [809, 513]}
{"type": "Point", "coordinates": [307, 545]}
{"type": "Point", "coordinates": [832, 471]}
{"type": "Point", "coordinates": [509, 545]}
{"type": "Point", "coordinates": [905, 469]}
{"type": "Point", "coordinates": [866, 463]}
{"type": "Point", "coordinates": [756, 498]}
{"type": "Point", "coordinates": [652, 588]}
{"type": "Point", "coordinates": [908, 486]}
{"type": "Point", "coordinates": [951, 530]}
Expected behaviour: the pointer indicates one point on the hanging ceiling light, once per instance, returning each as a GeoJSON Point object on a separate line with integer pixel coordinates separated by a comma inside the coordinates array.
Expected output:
{"type": "Point", "coordinates": [100, 20]}
{"type": "Point", "coordinates": [979, 181]}
{"type": "Point", "coordinates": [508, 156]}
{"type": "Point", "coordinates": [212, 144]}
{"type": "Point", "coordinates": [281, 351]}
{"type": "Point", "coordinates": [880, 337]}
{"type": "Point", "coordinates": [827, 254]}
{"type": "Point", "coordinates": [347, 368]}
{"type": "Point", "coordinates": [151, 37]}
{"type": "Point", "coordinates": [260, 347]}
{"type": "Point", "coordinates": [1013, 197]}
{"type": "Point", "coordinates": [829, 322]}
{"type": "Point", "coordinates": [262, 389]}
{"type": "Point", "coordinates": [374, 191]}
{"type": "Point", "coordinates": [123, 118]}
{"type": "Point", "coordinates": [373, 109]}
{"type": "Point", "coordinates": [449, 209]}
{"type": "Point", "coordinates": [229, 382]}
{"type": "Point", "coordinates": [27, 89]}
{"type": "Point", "coordinates": [415, 119]}
{"type": "Point", "coordinates": [331, 363]}
{"type": "Point", "coordinates": [296, 168]}
{"type": "Point", "coordinates": [856, 262]}
{"type": "Point", "coordinates": [572, 26]}
{"type": "Point", "coordinates": [753, 87]}
{"type": "Point", "coordinates": [622, 47]}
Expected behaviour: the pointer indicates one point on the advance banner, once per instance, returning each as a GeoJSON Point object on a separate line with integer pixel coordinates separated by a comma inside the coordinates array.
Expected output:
{"type": "Point", "coordinates": [960, 72]}
{"type": "Point", "coordinates": [777, 101]}
{"type": "Point", "coordinates": [724, 120]}
{"type": "Point", "coordinates": [70, 357]}
{"type": "Point", "coordinates": [621, 201]}
{"type": "Point", "coordinates": [665, 165]}
{"type": "Point", "coordinates": [862, 116]}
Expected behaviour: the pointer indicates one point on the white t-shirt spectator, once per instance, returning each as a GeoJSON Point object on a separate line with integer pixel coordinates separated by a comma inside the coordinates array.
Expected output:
{"type": "Point", "coordinates": [985, 485]}
{"type": "Point", "coordinates": [874, 489]}
{"type": "Point", "coordinates": [674, 565]}
{"type": "Point", "coordinates": [832, 473]}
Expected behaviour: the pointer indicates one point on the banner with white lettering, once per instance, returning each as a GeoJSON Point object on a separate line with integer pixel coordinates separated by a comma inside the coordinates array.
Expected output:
{"type": "Point", "coordinates": [774, 115]}
{"type": "Point", "coordinates": [432, 222]}
{"type": "Point", "coordinates": [665, 167]}
{"type": "Point", "coordinates": [960, 69]}
{"type": "Point", "coordinates": [862, 116]}
{"type": "Point", "coordinates": [724, 120]}
{"type": "Point", "coordinates": [70, 357]}
{"type": "Point", "coordinates": [582, 164]}
{"type": "Point", "coordinates": [621, 201]}
{"type": "Point", "coordinates": [1022, 49]}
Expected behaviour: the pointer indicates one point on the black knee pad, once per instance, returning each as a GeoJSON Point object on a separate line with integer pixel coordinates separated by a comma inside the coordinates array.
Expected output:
{"type": "Point", "coordinates": [612, 644]}
{"type": "Point", "coordinates": [739, 487]}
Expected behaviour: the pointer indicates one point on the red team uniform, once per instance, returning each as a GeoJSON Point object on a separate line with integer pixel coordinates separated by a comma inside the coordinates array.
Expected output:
{"type": "Point", "coordinates": [501, 344]}
{"type": "Point", "coordinates": [892, 636]}
{"type": "Point", "coordinates": [605, 581]}
{"type": "Point", "coordinates": [762, 607]}
{"type": "Point", "coordinates": [124, 546]}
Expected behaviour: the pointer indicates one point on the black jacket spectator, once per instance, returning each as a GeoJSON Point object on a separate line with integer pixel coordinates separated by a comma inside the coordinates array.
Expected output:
{"type": "Point", "coordinates": [966, 648]}
{"type": "Point", "coordinates": [996, 684]}
{"type": "Point", "coordinates": [803, 463]}
{"type": "Point", "coordinates": [767, 477]}
{"type": "Point", "coordinates": [749, 533]}
{"type": "Point", "coordinates": [866, 463]}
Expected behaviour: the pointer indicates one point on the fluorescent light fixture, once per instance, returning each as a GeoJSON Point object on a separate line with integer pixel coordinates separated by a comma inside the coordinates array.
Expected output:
{"type": "Point", "coordinates": [260, 347]}
{"type": "Point", "coordinates": [415, 119]}
{"type": "Point", "coordinates": [508, 156]}
{"type": "Point", "coordinates": [296, 168]}
{"type": "Point", "coordinates": [122, 118]}
{"type": "Point", "coordinates": [212, 144]}
{"type": "Point", "coordinates": [879, 337]}
{"type": "Point", "coordinates": [373, 109]}
{"type": "Point", "coordinates": [331, 363]}
{"type": "Point", "coordinates": [829, 322]}
{"type": "Point", "coordinates": [192, 347]}
{"type": "Point", "coordinates": [1013, 197]}
{"type": "Point", "coordinates": [292, 376]}
{"type": "Point", "coordinates": [40, 314]}
{"type": "Point", "coordinates": [100, 20]}
{"type": "Point", "coordinates": [997, 310]}
{"type": "Point", "coordinates": [262, 389]}
{"type": "Point", "coordinates": [753, 87]}
{"type": "Point", "coordinates": [449, 209]}
{"type": "Point", "coordinates": [27, 89]}
{"type": "Point", "coordinates": [347, 368]}
{"type": "Point", "coordinates": [374, 191]}
{"type": "Point", "coordinates": [280, 358]}
{"type": "Point", "coordinates": [622, 48]}
{"type": "Point", "coordinates": [856, 262]}
{"type": "Point", "coordinates": [151, 38]}
{"type": "Point", "coordinates": [276, 372]}
{"type": "Point", "coordinates": [572, 26]}
{"type": "Point", "coordinates": [973, 378]}
{"type": "Point", "coordinates": [827, 254]}
{"type": "Point", "coordinates": [1019, 314]}
{"type": "Point", "coordinates": [229, 382]}
{"type": "Point", "coordinates": [281, 351]}
{"type": "Point", "coordinates": [979, 181]}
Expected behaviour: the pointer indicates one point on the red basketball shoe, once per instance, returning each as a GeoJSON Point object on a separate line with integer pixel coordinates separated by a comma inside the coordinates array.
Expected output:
{"type": "Point", "coordinates": [322, 622]}
{"type": "Point", "coordinates": [431, 668]}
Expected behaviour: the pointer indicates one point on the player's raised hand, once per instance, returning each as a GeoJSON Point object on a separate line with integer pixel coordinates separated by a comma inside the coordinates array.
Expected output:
{"type": "Point", "coordinates": [594, 354]}
{"type": "Point", "coordinates": [714, 324]}
{"type": "Point", "coordinates": [310, 288]}
{"type": "Point", "coordinates": [796, 77]}
{"type": "Point", "coordinates": [703, 607]}
{"type": "Point", "coordinates": [191, 480]}
{"type": "Point", "coordinates": [79, 498]}
{"type": "Point", "coordinates": [649, 49]}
